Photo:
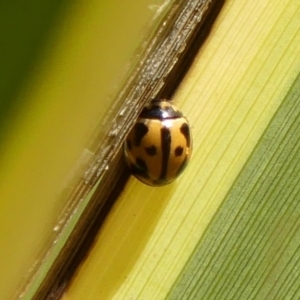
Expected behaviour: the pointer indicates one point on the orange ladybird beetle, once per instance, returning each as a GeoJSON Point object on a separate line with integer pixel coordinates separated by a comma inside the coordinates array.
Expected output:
{"type": "Point", "coordinates": [159, 146]}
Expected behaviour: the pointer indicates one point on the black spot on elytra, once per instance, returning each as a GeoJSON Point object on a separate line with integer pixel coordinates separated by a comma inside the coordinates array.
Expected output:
{"type": "Point", "coordinates": [182, 167]}
{"type": "Point", "coordinates": [178, 151]}
{"type": "Point", "coordinates": [151, 151]}
{"type": "Point", "coordinates": [165, 147]}
{"type": "Point", "coordinates": [140, 130]}
{"type": "Point", "coordinates": [141, 164]}
{"type": "Point", "coordinates": [185, 130]}
{"type": "Point", "coordinates": [140, 168]}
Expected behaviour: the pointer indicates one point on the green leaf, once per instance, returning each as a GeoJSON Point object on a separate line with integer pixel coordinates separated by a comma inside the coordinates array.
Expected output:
{"type": "Point", "coordinates": [251, 249]}
{"type": "Point", "coordinates": [227, 228]}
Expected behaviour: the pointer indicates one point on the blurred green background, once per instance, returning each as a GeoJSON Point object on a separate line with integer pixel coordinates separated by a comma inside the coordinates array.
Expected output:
{"type": "Point", "coordinates": [24, 28]}
{"type": "Point", "coordinates": [62, 64]}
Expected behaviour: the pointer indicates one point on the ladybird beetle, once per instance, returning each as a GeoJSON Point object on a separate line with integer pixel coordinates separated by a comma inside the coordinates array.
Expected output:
{"type": "Point", "coordinates": [159, 146]}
